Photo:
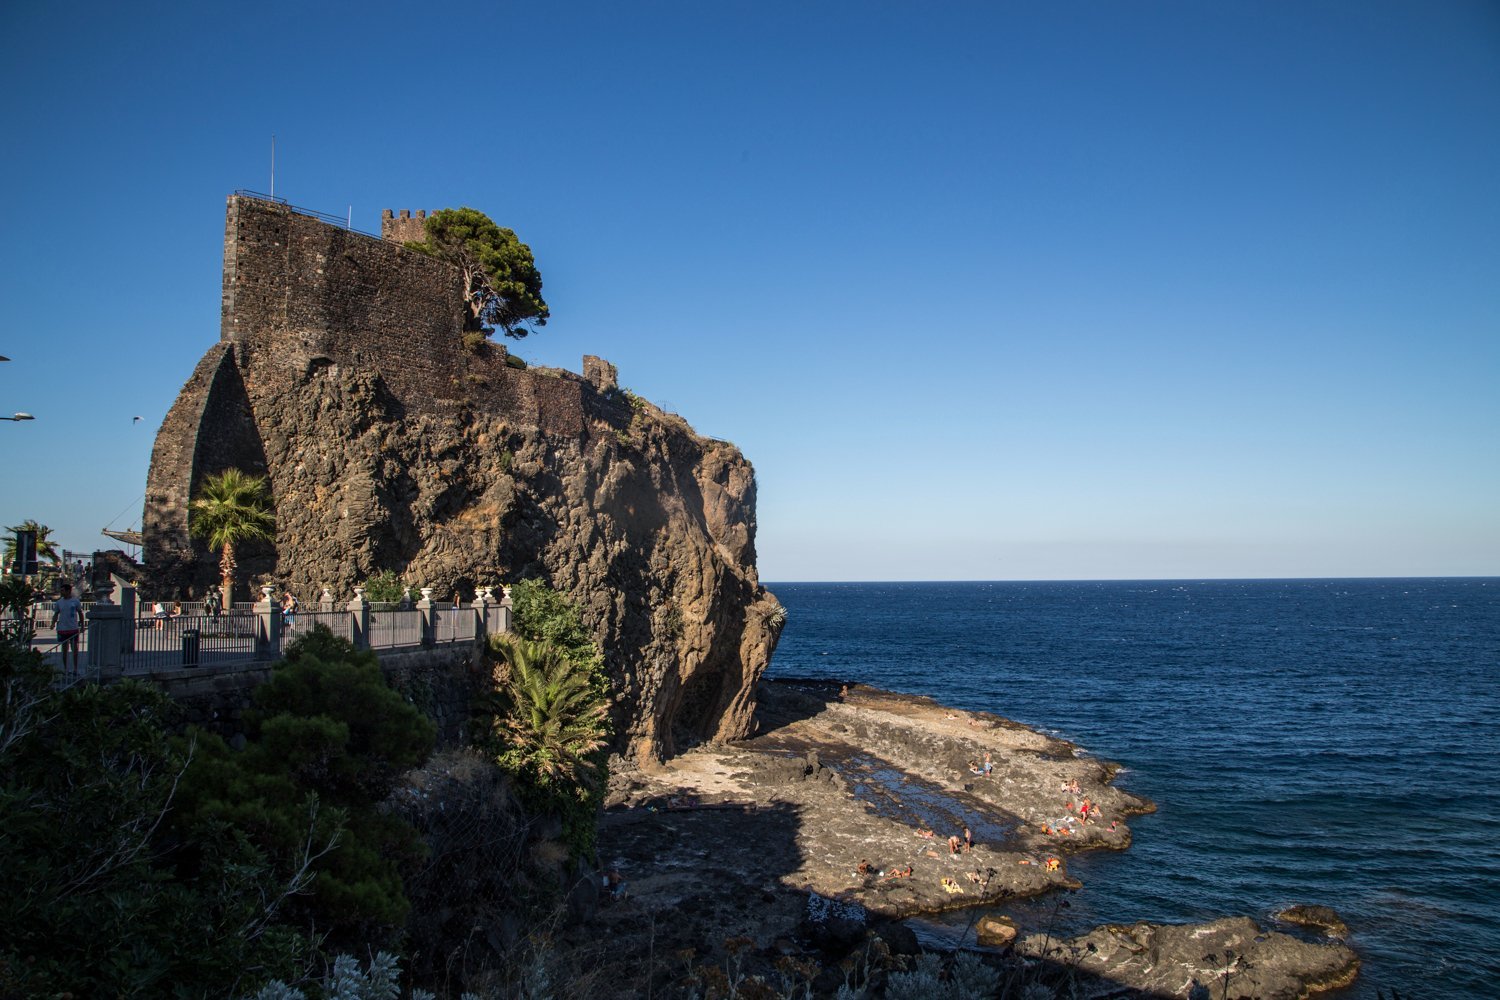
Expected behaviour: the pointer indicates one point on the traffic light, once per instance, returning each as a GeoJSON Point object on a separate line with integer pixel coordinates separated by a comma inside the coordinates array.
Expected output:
{"type": "Point", "coordinates": [25, 564]}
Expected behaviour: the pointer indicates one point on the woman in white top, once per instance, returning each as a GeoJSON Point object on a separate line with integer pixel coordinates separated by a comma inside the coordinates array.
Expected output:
{"type": "Point", "coordinates": [67, 618]}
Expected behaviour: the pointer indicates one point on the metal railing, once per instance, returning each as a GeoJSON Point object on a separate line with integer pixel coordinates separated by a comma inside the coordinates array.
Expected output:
{"type": "Point", "coordinates": [340, 623]}
{"type": "Point", "coordinates": [454, 624]}
{"type": "Point", "coordinates": [117, 643]}
{"type": "Point", "coordinates": [189, 641]}
{"type": "Point", "coordinates": [343, 222]}
{"type": "Point", "coordinates": [392, 629]}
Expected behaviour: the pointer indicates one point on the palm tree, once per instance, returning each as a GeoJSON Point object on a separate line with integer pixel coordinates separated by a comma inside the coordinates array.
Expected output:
{"type": "Point", "coordinates": [231, 508]}
{"type": "Point", "coordinates": [45, 547]}
{"type": "Point", "coordinates": [550, 711]}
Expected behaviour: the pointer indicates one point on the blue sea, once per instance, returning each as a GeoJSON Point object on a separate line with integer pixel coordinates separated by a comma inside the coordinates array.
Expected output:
{"type": "Point", "coordinates": [1305, 741]}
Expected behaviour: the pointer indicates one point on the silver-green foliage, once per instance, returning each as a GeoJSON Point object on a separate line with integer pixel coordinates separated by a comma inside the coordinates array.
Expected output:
{"type": "Point", "coordinates": [347, 981]}
{"type": "Point", "coordinates": [968, 979]}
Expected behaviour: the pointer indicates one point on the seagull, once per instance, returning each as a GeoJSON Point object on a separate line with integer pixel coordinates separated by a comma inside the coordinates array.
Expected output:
{"type": "Point", "coordinates": [135, 420]}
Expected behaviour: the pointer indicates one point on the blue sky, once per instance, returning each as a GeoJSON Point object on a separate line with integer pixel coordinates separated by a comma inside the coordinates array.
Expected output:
{"type": "Point", "coordinates": [985, 291]}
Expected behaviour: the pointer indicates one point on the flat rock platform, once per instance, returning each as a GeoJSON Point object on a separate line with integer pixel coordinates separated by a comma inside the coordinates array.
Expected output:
{"type": "Point", "coordinates": [783, 854]}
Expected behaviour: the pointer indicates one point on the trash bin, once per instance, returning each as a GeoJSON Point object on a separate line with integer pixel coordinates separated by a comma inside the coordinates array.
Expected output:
{"type": "Point", "coordinates": [190, 647]}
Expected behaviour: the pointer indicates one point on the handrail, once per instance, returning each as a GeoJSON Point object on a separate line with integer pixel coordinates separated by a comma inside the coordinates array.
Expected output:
{"type": "Point", "coordinates": [333, 220]}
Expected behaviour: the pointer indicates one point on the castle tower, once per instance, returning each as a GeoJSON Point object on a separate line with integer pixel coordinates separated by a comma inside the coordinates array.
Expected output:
{"type": "Point", "coordinates": [404, 228]}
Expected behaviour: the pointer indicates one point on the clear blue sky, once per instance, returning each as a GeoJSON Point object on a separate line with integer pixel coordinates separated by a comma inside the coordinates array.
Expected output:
{"type": "Point", "coordinates": [985, 291]}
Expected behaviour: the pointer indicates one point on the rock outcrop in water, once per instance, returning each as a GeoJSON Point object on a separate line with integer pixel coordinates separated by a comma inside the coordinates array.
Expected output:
{"type": "Point", "coordinates": [340, 374]}
{"type": "Point", "coordinates": [822, 842]}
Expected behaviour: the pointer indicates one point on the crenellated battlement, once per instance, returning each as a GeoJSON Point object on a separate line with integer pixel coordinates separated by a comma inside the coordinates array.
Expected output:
{"type": "Point", "coordinates": [403, 228]}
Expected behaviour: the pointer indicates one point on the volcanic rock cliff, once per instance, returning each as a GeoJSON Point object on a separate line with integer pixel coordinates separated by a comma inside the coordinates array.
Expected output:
{"type": "Point", "coordinates": [340, 374]}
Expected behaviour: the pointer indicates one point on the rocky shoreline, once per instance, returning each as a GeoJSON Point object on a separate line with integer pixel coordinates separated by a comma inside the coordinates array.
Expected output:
{"type": "Point", "coordinates": [802, 851]}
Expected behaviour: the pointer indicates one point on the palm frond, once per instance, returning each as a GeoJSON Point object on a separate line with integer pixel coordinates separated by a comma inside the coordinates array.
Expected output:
{"type": "Point", "coordinates": [551, 709]}
{"type": "Point", "coordinates": [232, 508]}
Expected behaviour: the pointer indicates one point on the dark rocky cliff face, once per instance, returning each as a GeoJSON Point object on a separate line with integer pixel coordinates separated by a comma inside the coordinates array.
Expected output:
{"type": "Point", "coordinates": [389, 447]}
{"type": "Point", "coordinates": [649, 526]}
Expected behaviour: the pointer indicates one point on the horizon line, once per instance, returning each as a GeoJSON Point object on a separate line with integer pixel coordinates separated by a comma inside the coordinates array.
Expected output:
{"type": "Point", "coordinates": [1163, 579]}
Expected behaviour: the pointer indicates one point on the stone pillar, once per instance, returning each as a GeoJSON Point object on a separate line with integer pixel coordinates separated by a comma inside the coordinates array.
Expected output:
{"type": "Point", "coordinates": [107, 628]}
{"type": "Point", "coordinates": [484, 599]}
{"type": "Point", "coordinates": [504, 617]}
{"type": "Point", "coordinates": [359, 625]}
{"type": "Point", "coordinates": [129, 612]}
{"type": "Point", "coordinates": [325, 603]}
{"type": "Point", "coordinates": [267, 626]}
{"type": "Point", "coordinates": [429, 617]}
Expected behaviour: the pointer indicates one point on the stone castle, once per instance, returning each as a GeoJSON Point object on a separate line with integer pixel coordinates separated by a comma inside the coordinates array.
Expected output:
{"type": "Point", "coordinates": [340, 374]}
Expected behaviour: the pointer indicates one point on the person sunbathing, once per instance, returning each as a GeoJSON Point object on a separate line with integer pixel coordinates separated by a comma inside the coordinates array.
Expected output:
{"type": "Point", "coordinates": [924, 833]}
{"type": "Point", "coordinates": [899, 872]}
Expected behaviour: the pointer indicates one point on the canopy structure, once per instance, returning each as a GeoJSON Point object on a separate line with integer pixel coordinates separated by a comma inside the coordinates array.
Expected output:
{"type": "Point", "coordinates": [128, 537]}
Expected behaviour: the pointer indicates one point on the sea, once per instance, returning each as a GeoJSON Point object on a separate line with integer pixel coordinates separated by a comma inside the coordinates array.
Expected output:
{"type": "Point", "coordinates": [1334, 742]}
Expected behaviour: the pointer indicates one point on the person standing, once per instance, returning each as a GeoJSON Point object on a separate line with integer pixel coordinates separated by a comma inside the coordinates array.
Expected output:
{"type": "Point", "coordinates": [288, 612]}
{"type": "Point", "coordinates": [213, 602]}
{"type": "Point", "coordinates": [67, 619]}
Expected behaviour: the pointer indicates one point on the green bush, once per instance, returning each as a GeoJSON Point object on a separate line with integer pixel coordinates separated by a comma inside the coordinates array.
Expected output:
{"type": "Point", "coordinates": [385, 587]}
{"type": "Point", "coordinates": [102, 897]}
{"type": "Point", "coordinates": [544, 615]}
{"type": "Point", "coordinates": [329, 740]}
{"type": "Point", "coordinates": [546, 723]}
{"type": "Point", "coordinates": [138, 862]}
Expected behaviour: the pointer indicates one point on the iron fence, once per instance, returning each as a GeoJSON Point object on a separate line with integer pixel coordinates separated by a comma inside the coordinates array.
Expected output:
{"type": "Point", "coordinates": [454, 624]}
{"type": "Point", "coordinates": [189, 641]}
{"type": "Point", "coordinates": [340, 623]}
{"type": "Point", "coordinates": [158, 643]}
{"type": "Point", "coordinates": [494, 619]}
{"type": "Point", "coordinates": [389, 629]}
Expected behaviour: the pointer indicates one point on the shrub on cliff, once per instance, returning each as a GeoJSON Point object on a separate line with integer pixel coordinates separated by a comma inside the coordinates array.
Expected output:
{"type": "Point", "coordinates": [544, 615]}
{"type": "Point", "coordinates": [546, 722]}
{"type": "Point", "coordinates": [552, 718]}
{"type": "Point", "coordinates": [329, 742]}
{"type": "Point", "coordinates": [502, 286]}
{"type": "Point", "coordinates": [385, 587]}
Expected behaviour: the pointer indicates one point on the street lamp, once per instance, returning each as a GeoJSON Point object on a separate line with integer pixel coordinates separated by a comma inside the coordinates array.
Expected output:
{"type": "Point", "coordinates": [19, 416]}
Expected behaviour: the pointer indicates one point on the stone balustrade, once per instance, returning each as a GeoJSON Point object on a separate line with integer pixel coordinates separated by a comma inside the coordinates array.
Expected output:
{"type": "Point", "coordinates": [118, 642]}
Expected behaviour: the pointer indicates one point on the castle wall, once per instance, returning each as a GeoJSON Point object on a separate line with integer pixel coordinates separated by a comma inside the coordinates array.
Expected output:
{"type": "Point", "coordinates": [403, 228]}
{"type": "Point", "coordinates": [307, 290]}
{"type": "Point", "coordinates": [301, 295]}
{"type": "Point", "coordinates": [308, 293]}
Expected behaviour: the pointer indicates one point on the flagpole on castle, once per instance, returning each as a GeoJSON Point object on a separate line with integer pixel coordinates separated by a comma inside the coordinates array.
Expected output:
{"type": "Point", "coordinates": [273, 164]}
